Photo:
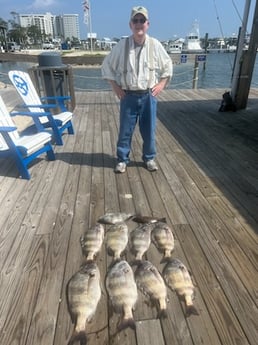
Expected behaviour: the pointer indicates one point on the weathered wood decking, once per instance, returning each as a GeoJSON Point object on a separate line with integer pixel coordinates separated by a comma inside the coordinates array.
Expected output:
{"type": "Point", "coordinates": [206, 187]}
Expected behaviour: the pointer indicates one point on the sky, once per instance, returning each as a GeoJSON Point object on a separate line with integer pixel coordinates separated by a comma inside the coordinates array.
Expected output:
{"type": "Point", "coordinates": [168, 19]}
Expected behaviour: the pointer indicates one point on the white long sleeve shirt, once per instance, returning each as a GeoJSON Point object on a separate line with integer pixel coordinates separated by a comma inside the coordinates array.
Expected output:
{"type": "Point", "coordinates": [149, 72]}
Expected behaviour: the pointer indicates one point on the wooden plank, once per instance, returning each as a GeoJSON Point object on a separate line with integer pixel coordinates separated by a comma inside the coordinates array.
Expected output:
{"type": "Point", "coordinates": [24, 299]}
{"type": "Point", "coordinates": [45, 314]}
{"type": "Point", "coordinates": [149, 332]}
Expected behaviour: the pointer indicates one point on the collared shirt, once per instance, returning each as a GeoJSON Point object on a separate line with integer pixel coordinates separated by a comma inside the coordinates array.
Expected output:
{"type": "Point", "coordinates": [113, 65]}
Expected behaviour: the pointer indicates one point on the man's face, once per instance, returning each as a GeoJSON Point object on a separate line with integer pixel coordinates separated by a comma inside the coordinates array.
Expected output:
{"type": "Point", "coordinates": [139, 25]}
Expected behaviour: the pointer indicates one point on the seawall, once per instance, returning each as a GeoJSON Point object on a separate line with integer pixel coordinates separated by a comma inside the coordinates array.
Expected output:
{"type": "Point", "coordinates": [75, 58]}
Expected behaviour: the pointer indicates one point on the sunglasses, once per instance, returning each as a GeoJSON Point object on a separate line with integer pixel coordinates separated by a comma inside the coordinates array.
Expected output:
{"type": "Point", "coordinates": [140, 20]}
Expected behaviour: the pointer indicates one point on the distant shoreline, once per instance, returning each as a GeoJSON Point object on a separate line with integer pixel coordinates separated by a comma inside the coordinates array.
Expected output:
{"type": "Point", "coordinates": [75, 58]}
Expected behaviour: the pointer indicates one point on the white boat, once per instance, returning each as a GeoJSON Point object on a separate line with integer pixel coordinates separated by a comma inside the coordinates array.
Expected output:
{"type": "Point", "coordinates": [192, 43]}
{"type": "Point", "coordinates": [175, 48]}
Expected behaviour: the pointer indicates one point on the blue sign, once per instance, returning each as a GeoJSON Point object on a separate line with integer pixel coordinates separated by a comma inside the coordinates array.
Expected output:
{"type": "Point", "coordinates": [201, 58]}
{"type": "Point", "coordinates": [183, 58]}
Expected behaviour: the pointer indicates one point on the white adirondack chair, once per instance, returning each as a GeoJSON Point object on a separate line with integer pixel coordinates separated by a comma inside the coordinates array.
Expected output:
{"type": "Point", "coordinates": [23, 149]}
{"type": "Point", "coordinates": [59, 122]}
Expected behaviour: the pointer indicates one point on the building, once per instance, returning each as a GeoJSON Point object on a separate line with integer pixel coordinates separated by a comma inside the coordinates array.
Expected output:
{"type": "Point", "coordinates": [45, 22]}
{"type": "Point", "coordinates": [62, 26]}
{"type": "Point", "coordinates": [69, 26]}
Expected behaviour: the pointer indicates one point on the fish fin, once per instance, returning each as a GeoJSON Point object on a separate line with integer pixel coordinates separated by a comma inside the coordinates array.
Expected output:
{"type": "Point", "coordinates": [162, 314]}
{"type": "Point", "coordinates": [126, 323]}
{"type": "Point", "coordinates": [72, 315]}
{"type": "Point", "coordinates": [191, 310]}
{"type": "Point", "coordinates": [78, 337]}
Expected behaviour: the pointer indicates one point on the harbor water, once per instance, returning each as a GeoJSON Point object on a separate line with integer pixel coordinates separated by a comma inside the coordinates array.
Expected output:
{"type": "Point", "coordinates": [216, 72]}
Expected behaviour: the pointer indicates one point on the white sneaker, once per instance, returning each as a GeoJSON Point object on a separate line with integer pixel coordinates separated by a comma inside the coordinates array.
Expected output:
{"type": "Point", "coordinates": [120, 167]}
{"type": "Point", "coordinates": [151, 165]}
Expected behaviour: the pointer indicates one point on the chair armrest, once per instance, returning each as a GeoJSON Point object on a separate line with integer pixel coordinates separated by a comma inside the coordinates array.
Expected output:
{"type": "Point", "coordinates": [42, 106]}
{"type": "Point", "coordinates": [59, 99]}
{"type": "Point", "coordinates": [31, 114]}
{"type": "Point", "coordinates": [7, 129]}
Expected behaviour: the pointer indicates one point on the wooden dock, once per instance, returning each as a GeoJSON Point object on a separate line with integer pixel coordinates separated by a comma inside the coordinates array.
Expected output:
{"type": "Point", "coordinates": [206, 187]}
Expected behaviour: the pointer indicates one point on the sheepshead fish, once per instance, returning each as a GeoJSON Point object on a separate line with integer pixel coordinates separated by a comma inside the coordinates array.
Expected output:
{"type": "Point", "coordinates": [92, 241]}
{"type": "Point", "coordinates": [147, 219]}
{"type": "Point", "coordinates": [163, 239]}
{"type": "Point", "coordinates": [140, 239]}
{"type": "Point", "coordinates": [122, 291]}
{"type": "Point", "coordinates": [151, 283]}
{"type": "Point", "coordinates": [114, 218]}
{"type": "Point", "coordinates": [117, 239]}
{"type": "Point", "coordinates": [83, 294]}
{"type": "Point", "coordinates": [178, 278]}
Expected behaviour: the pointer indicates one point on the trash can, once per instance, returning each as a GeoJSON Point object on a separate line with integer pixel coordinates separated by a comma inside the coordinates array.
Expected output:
{"type": "Point", "coordinates": [53, 78]}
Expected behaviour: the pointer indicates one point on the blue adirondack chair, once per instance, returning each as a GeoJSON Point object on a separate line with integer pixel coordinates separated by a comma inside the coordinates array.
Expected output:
{"type": "Point", "coordinates": [58, 122]}
{"type": "Point", "coordinates": [23, 149]}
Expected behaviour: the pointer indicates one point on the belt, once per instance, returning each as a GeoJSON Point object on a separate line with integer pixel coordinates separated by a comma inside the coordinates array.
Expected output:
{"type": "Point", "coordinates": [137, 92]}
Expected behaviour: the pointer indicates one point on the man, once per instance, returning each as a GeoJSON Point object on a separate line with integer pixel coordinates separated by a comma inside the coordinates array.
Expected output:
{"type": "Point", "coordinates": [138, 68]}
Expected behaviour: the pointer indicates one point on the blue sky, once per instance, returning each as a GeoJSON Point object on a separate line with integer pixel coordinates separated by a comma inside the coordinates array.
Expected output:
{"type": "Point", "coordinates": [168, 18]}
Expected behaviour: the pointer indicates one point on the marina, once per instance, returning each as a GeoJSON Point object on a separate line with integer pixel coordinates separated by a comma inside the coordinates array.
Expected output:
{"type": "Point", "coordinates": [206, 188]}
{"type": "Point", "coordinates": [217, 74]}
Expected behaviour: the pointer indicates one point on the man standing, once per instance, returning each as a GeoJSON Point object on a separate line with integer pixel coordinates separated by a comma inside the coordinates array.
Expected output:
{"type": "Point", "coordinates": [138, 68]}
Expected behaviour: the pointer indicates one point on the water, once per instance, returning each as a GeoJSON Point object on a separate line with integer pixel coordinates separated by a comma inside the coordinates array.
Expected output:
{"type": "Point", "coordinates": [217, 74]}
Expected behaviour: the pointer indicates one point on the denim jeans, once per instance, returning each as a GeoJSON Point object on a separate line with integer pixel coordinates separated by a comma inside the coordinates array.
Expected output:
{"type": "Point", "coordinates": [133, 108]}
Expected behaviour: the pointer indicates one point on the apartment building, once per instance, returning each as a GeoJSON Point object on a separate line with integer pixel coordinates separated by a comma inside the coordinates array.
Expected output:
{"type": "Point", "coordinates": [56, 27]}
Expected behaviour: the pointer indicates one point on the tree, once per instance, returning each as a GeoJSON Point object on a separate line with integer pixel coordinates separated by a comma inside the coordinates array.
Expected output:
{"type": "Point", "coordinates": [17, 34]}
{"type": "Point", "coordinates": [34, 34]}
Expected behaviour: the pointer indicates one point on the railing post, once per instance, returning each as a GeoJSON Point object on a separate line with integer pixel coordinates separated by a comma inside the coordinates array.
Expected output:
{"type": "Point", "coordinates": [195, 76]}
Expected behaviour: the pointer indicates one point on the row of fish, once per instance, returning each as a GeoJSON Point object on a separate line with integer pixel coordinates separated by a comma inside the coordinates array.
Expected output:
{"type": "Point", "coordinates": [112, 218]}
{"type": "Point", "coordinates": [118, 237]}
{"type": "Point", "coordinates": [83, 289]}
{"type": "Point", "coordinates": [84, 292]}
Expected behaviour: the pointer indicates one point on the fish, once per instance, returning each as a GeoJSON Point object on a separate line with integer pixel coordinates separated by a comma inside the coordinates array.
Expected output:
{"type": "Point", "coordinates": [122, 291]}
{"type": "Point", "coordinates": [140, 239]}
{"type": "Point", "coordinates": [177, 277]}
{"type": "Point", "coordinates": [91, 241]}
{"type": "Point", "coordinates": [163, 239]}
{"type": "Point", "coordinates": [117, 239]}
{"type": "Point", "coordinates": [83, 293]}
{"type": "Point", "coordinates": [147, 219]}
{"type": "Point", "coordinates": [114, 218]}
{"type": "Point", "coordinates": [151, 283]}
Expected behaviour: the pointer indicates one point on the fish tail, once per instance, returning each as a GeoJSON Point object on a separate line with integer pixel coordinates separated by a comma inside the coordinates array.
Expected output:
{"type": "Point", "coordinates": [126, 323]}
{"type": "Point", "coordinates": [165, 259]}
{"type": "Point", "coordinates": [162, 220]}
{"type": "Point", "coordinates": [138, 257]}
{"type": "Point", "coordinates": [162, 314]}
{"type": "Point", "coordinates": [136, 262]}
{"type": "Point", "coordinates": [191, 310]}
{"type": "Point", "coordinates": [78, 337]}
{"type": "Point", "coordinates": [117, 257]}
{"type": "Point", "coordinates": [90, 257]}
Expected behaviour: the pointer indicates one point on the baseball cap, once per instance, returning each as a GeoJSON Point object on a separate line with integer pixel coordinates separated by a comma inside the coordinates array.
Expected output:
{"type": "Point", "coordinates": [139, 10]}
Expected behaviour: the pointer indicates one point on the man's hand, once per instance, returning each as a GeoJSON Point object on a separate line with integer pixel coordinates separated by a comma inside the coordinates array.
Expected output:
{"type": "Point", "coordinates": [159, 87]}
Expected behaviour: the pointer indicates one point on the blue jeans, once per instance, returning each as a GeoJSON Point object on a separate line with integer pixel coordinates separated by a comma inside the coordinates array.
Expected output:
{"type": "Point", "coordinates": [133, 107]}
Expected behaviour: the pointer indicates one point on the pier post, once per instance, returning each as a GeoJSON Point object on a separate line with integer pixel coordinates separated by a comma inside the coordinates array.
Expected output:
{"type": "Point", "coordinates": [195, 76]}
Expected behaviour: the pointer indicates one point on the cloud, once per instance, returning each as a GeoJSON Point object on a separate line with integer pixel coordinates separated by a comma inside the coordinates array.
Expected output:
{"type": "Point", "coordinates": [39, 4]}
